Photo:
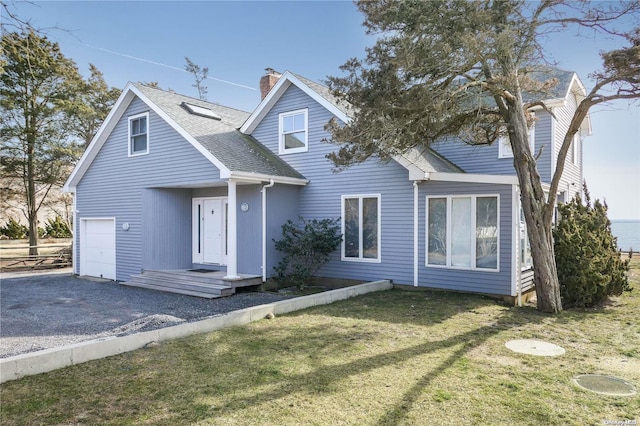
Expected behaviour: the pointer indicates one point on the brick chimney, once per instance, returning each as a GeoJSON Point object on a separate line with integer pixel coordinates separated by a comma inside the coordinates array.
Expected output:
{"type": "Point", "coordinates": [267, 81]}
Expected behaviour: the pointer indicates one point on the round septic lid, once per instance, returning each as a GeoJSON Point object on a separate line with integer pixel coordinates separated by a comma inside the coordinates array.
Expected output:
{"type": "Point", "coordinates": [534, 347]}
{"type": "Point", "coordinates": [605, 385]}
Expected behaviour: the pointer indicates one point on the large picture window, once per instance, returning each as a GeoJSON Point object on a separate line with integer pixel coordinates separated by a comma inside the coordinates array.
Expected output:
{"type": "Point", "coordinates": [293, 132]}
{"type": "Point", "coordinates": [462, 232]}
{"type": "Point", "coordinates": [138, 134]}
{"type": "Point", "coordinates": [361, 228]}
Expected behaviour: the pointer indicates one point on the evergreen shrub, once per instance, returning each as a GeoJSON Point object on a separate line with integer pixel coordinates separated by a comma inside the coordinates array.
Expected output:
{"type": "Point", "coordinates": [306, 247]}
{"type": "Point", "coordinates": [14, 230]}
{"type": "Point", "coordinates": [589, 264]}
{"type": "Point", "coordinates": [57, 228]}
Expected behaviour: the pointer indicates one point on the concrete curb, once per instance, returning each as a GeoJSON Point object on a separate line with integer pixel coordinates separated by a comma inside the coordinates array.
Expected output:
{"type": "Point", "coordinates": [28, 364]}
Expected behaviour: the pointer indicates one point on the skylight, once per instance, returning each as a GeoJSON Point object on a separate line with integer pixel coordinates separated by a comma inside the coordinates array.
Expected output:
{"type": "Point", "coordinates": [198, 110]}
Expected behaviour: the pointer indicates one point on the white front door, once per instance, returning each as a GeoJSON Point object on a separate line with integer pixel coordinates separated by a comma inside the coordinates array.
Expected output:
{"type": "Point", "coordinates": [210, 230]}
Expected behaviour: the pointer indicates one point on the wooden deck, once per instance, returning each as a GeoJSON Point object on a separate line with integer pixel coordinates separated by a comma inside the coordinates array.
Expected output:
{"type": "Point", "coordinates": [192, 282]}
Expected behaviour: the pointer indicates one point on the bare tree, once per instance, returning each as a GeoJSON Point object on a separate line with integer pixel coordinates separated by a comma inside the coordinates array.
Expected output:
{"type": "Point", "coordinates": [200, 74]}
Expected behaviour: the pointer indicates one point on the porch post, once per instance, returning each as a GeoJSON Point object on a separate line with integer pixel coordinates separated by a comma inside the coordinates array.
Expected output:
{"type": "Point", "coordinates": [232, 246]}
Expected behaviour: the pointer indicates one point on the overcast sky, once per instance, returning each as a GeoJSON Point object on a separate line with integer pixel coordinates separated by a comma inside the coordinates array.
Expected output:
{"type": "Point", "coordinates": [147, 41]}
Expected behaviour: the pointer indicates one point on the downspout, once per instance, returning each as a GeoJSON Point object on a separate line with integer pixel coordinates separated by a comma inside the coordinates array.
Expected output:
{"type": "Point", "coordinates": [74, 235]}
{"type": "Point", "coordinates": [264, 228]}
{"type": "Point", "coordinates": [415, 233]}
{"type": "Point", "coordinates": [519, 252]}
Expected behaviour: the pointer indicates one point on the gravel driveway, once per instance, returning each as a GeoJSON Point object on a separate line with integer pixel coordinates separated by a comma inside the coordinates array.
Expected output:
{"type": "Point", "coordinates": [48, 310]}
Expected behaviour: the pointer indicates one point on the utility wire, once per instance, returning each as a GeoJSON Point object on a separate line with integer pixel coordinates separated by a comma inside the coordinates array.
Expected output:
{"type": "Point", "coordinates": [165, 66]}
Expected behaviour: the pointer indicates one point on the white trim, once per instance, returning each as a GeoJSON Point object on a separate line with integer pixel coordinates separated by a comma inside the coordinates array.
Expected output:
{"type": "Point", "coordinates": [126, 97]}
{"type": "Point", "coordinates": [415, 232]}
{"type": "Point", "coordinates": [473, 178]}
{"type": "Point", "coordinates": [264, 228]}
{"type": "Point", "coordinates": [574, 148]}
{"type": "Point", "coordinates": [281, 148]}
{"type": "Point", "coordinates": [276, 93]}
{"type": "Point", "coordinates": [83, 231]}
{"type": "Point", "coordinates": [232, 232]}
{"type": "Point", "coordinates": [449, 226]}
{"type": "Point", "coordinates": [259, 177]}
{"type": "Point", "coordinates": [130, 144]}
{"type": "Point", "coordinates": [360, 197]}
{"type": "Point", "coordinates": [75, 234]}
{"type": "Point", "coordinates": [515, 239]}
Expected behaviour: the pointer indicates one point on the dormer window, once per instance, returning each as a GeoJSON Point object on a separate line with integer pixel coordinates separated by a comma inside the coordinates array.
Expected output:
{"type": "Point", "coordinates": [138, 134]}
{"type": "Point", "coordinates": [293, 132]}
{"type": "Point", "coordinates": [504, 145]}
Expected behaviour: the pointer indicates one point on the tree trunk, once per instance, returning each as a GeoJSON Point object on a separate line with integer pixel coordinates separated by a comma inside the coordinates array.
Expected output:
{"type": "Point", "coordinates": [538, 216]}
{"type": "Point", "coordinates": [544, 263]}
{"type": "Point", "coordinates": [32, 205]}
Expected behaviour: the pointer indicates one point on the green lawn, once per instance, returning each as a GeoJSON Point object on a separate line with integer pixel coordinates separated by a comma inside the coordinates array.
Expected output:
{"type": "Point", "coordinates": [396, 357]}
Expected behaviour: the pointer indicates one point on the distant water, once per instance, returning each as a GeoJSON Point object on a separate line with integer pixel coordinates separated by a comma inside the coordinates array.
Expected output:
{"type": "Point", "coordinates": [628, 234]}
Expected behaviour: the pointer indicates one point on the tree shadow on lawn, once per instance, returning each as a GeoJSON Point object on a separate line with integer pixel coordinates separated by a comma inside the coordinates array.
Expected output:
{"type": "Point", "coordinates": [419, 309]}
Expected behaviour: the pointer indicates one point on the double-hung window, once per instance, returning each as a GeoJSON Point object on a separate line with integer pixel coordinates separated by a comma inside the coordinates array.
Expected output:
{"type": "Point", "coordinates": [462, 232]}
{"type": "Point", "coordinates": [138, 134]}
{"type": "Point", "coordinates": [293, 132]}
{"type": "Point", "coordinates": [361, 228]}
{"type": "Point", "coordinates": [504, 145]}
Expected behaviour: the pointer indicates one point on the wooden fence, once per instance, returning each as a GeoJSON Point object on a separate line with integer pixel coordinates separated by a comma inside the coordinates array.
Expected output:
{"type": "Point", "coordinates": [15, 257]}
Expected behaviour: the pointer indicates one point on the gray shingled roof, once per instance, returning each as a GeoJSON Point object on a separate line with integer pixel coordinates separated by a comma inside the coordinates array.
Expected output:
{"type": "Point", "coordinates": [429, 161]}
{"type": "Point", "coordinates": [237, 151]}
{"type": "Point", "coordinates": [325, 93]}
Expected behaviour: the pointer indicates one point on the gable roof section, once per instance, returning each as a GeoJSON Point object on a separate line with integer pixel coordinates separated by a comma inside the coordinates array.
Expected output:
{"type": "Point", "coordinates": [233, 153]}
{"type": "Point", "coordinates": [569, 84]}
{"type": "Point", "coordinates": [316, 91]}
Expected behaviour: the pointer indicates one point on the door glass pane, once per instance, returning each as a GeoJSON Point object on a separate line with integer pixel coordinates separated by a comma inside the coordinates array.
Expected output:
{"type": "Point", "coordinates": [370, 228]}
{"type": "Point", "coordinates": [461, 232]}
{"type": "Point", "coordinates": [437, 232]}
{"type": "Point", "coordinates": [351, 229]}
{"type": "Point", "coordinates": [487, 232]}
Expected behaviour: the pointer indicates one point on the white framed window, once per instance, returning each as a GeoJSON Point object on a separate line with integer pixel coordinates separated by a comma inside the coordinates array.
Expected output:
{"type": "Point", "coordinates": [504, 145]}
{"type": "Point", "coordinates": [293, 130]}
{"type": "Point", "coordinates": [139, 134]}
{"type": "Point", "coordinates": [573, 149]}
{"type": "Point", "coordinates": [463, 232]}
{"type": "Point", "coordinates": [526, 261]}
{"type": "Point", "coordinates": [361, 228]}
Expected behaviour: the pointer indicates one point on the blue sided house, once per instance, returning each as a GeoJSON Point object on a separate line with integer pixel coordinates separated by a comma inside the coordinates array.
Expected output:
{"type": "Point", "coordinates": [176, 185]}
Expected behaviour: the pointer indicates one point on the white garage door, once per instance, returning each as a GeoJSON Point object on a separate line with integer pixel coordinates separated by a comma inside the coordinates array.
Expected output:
{"type": "Point", "coordinates": [98, 248]}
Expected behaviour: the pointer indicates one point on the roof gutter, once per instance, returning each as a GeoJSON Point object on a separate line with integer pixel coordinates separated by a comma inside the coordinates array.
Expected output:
{"type": "Point", "coordinates": [259, 178]}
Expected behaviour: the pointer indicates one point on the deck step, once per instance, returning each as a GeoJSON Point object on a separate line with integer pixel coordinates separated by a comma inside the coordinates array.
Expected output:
{"type": "Point", "coordinates": [173, 290]}
{"type": "Point", "coordinates": [183, 285]}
